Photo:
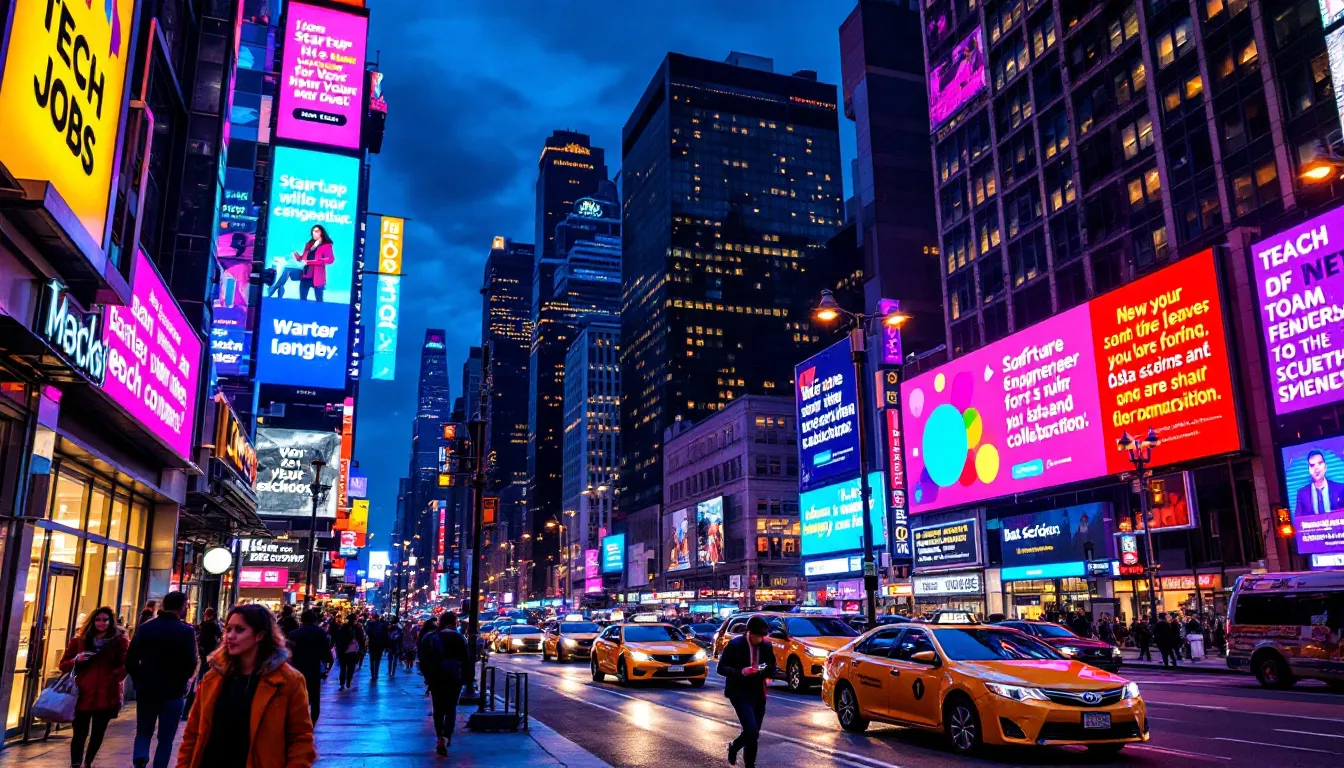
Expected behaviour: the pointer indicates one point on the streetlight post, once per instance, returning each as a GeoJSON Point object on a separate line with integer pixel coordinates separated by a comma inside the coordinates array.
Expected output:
{"type": "Point", "coordinates": [1141, 455]}
{"type": "Point", "coordinates": [319, 493]}
{"type": "Point", "coordinates": [828, 309]}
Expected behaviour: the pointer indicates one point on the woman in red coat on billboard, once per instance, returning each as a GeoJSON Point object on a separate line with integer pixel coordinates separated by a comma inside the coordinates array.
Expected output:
{"type": "Point", "coordinates": [98, 656]}
{"type": "Point", "coordinates": [317, 254]}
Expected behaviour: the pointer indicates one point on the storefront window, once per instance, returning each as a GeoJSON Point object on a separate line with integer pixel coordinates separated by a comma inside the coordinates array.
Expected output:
{"type": "Point", "coordinates": [111, 578]}
{"type": "Point", "coordinates": [26, 630]}
{"type": "Point", "coordinates": [130, 591]}
{"type": "Point", "coordinates": [90, 581]}
{"type": "Point", "coordinates": [139, 521]}
{"type": "Point", "coordinates": [64, 548]}
{"type": "Point", "coordinates": [116, 527]}
{"type": "Point", "coordinates": [98, 512]}
{"type": "Point", "coordinates": [68, 505]}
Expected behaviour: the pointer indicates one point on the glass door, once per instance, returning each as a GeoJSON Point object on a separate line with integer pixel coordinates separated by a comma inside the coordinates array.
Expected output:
{"type": "Point", "coordinates": [55, 630]}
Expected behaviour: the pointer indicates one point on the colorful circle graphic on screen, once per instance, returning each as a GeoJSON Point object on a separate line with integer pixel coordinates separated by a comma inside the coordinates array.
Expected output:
{"type": "Point", "coordinates": [945, 445]}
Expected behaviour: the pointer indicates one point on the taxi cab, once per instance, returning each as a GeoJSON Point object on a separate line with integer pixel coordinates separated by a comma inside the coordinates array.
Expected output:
{"type": "Point", "coordinates": [567, 640]}
{"type": "Point", "coordinates": [981, 684]}
{"type": "Point", "coordinates": [648, 651]}
{"type": "Point", "coordinates": [801, 642]}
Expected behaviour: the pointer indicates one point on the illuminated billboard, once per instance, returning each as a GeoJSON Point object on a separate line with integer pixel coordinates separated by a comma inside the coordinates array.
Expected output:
{"type": "Point", "coordinates": [321, 87]}
{"type": "Point", "coordinates": [613, 553]}
{"type": "Point", "coordinates": [387, 307]}
{"type": "Point", "coordinates": [709, 531]}
{"type": "Point", "coordinates": [1300, 277]}
{"type": "Point", "coordinates": [828, 425]}
{"type": "Point", "coordinates": [304, 335]}
{"type": "Point", "coordinates": [832, 516]}
{"type": "Point", "coordinates": [1314, 472]}
{"type": "Point", "coordinates": [285, 471]}
{"type": "Point", "coordinates": [1054, 544]}
{"type": "Point", "coordinates": [235, 244]}
{"type": "Point", "coordinates": [957, 79]}
{"type": "Point", "coordinates": [62, 100]}
{"type": "Point", "coordinates": [154, 360]}
{"type": "Point", "coordinates": [679, 540]}
{"type": "Point", "coordinates": [1045, 406]}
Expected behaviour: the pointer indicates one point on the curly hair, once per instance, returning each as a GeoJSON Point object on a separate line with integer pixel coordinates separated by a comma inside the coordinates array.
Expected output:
{"type": "Point", "coordinates": [260, 620]}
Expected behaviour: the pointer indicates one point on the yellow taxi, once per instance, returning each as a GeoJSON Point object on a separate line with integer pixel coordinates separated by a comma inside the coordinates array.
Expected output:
{"type": "Point", "coordinates": [648, 651]}
{"type": "Point", "coordinates": [981, 684]}
{"type": "Point", "coordinates": [801, 642]}
{"type": "Point", "coordinates": [567, 640]}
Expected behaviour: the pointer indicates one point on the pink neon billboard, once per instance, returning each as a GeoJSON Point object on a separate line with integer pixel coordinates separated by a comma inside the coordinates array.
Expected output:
{"type": "Point", "coordinates": [322, 76]}
{"type": "Point", "coordinates": [154, 360]}
{"type": "Point", "coordinates": [957, 79]}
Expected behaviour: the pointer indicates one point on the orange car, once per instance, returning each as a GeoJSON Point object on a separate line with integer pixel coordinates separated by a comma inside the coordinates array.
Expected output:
{"type": "Point", "coordinates": [801, 642]}
{"type": "Point", "coordinates": [648, 651]}
{"type": "Point", "coordinates": [981, 684]}
{"type": "Point", "coordinates": [566, 640]}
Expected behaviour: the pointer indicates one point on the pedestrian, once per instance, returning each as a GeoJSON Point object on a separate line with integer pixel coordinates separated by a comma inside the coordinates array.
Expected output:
{"type": "Point", "coordinates": [1143, 638]}
{"type": "Point", "coordinates": [1081, 624]}
{"type": "Point", "coordinates": [1193, 627]}
{"type": "Point", "coordinates": [253, 709]}
{"type": "Point", "coordinates": [747, 664]}
{"type": "Point", "coordinates": [1106, 630]}
{"type": "Point", "coordinates": [148, 612]}
{"type": "Point", "coordinates": [332, 625]}
{"type": "Point", "coordinates": [287, 621]}
{"type": "Point", "coordinates": [1167, 637]}
{"type": "Point", "coordinates": [350, 642]}
{"type": "Point", "coordinates": [444, 663]}
{"type": "Point", "coordinates": [376, 631]}
{"type": "Point", "coordinates": [394, 633]}
{"type": "Point", "coordinates": [209, 634]}
{"type": "Point", "coordinates": [161, 661]}
{"type": "Point", "coordinates": [97, 656]}
{"type": "Point", "coordinates": [310, 651]}
{"type": "Point", "coordinates": [363, 646]}
{"type": "Point", "coordinates": [410, 643]}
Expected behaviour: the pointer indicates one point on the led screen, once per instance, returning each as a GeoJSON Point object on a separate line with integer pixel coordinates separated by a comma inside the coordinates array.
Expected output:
{"type": "Point", "coordinates": [709, 531]}
{"type": "Point", "coordinates": [828, 427]}
{"type": "Point", "coordinates": [285, 471]}
{"type": "Point", "coordinates": [832, 516]}
{"type": "Point", "coordinates": [957, 79]}
{"type": "Point", "coordinates": [1315, 480]}
{"type": "Point", "coordinates": [680, 540]}
{"type": "Point", "coordinates": [321, 86]}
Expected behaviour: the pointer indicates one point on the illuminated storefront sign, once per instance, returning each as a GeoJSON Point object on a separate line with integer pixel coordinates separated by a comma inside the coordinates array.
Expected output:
{"type": "Point", "coordinates": [231, 442]}
{"type": "Point", "coordinates": [263, 578]}
{"type": "Point", "coordinates": [347, 453]}
{"type": "Point", "coordinates": [321, 99]}
{"type": "Point", "coordinates": [955, 544]}
{"type": "Point", "coordinates": [970, 583]}
{"type": "Point", "coordinates": [1054, 544]}
{"type": "Point", "coordinates": [77, 335]}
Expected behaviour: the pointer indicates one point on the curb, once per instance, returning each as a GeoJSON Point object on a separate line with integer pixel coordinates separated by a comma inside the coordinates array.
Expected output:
{"type": "Point", "coordinates": [1205, 667]}
{"type": "Point", "coordinates": [561, 748]}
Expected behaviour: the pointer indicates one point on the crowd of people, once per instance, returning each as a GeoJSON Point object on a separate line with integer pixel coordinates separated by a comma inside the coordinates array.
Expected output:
{"type": "Point", "coordinates": [249, 687]}
{"type": "Point", "coordinates": [1170, 633]}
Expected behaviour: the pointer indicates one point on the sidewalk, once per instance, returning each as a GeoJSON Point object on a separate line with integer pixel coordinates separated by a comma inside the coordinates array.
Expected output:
{"type": "Point", "coordinates": [376, 725]}
{"type": "Point", "coordinates": [1214, 665]}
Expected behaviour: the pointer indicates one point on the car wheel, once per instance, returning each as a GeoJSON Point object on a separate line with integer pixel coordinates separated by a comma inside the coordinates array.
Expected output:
{"type": "Point", "coordinates": [622, 676]}
{"type": "Point", "coordinates": [795, 677]}
{"type": "Point", "coordinates": [544, 655]}
{"type": "Point", "coordinates": [598, 677]}
{"type": "Point", "coordinates": [847, 710]}
{"type": "Point", "coordinates": [1272, 671]}
{"type": "Point", "coordinates": [963, 725]}
{"type": "Point", "coordinates": [698, 683]}
{"type": "Point", "coordinates": [1104, 750]}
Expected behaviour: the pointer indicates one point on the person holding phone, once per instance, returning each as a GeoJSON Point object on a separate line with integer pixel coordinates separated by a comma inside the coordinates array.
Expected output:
{"type": "Point", "coordinates": [747, 664]}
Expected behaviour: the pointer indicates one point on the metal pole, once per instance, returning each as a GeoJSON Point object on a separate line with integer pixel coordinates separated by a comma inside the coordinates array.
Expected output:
{"type": "Point", "coordinates": [312, 533]}
{"type": "Point", "coordinates": [1140, 462]}
{"type": "Point", "coordinates": [476, 430]}
{"type": "Point", "coordinates": [860, 355]}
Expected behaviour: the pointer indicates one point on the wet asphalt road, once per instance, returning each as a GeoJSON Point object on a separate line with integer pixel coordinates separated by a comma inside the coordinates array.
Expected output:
{"type": "Point", "coordinates": [1195, 719]}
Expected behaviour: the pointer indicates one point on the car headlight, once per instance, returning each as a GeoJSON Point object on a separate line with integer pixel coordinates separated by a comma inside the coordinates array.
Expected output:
{"type": "Point", "coordinates": [570, 642]}
{"type": "Point", "coordinates": [1016, 692]}
{"type": "Point", "coordinates": [819, 653]}
{"type": "Point", "coordinates": [1068, 650]}
{"type": "Point", "coordinates": [517, 642]}
{"type": "Point", "coordinates": [1116, 652]}
{"type": "Point", "coordinates": [640, 656]}
{"type": "Point", "coordinates": [700, 655]}
{"type": "Point", "coordinates": [1131, 690]}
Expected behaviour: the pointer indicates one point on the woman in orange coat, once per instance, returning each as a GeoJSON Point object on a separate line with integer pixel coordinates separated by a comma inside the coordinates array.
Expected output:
{"type": "Point", "coordinates": [98, 657]}
{"type": "Point", "coordinates": [251, 709]}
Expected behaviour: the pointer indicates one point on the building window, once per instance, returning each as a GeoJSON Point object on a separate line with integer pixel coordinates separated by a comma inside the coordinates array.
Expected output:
{"type": "Point", "coordinates": [1174, 41]}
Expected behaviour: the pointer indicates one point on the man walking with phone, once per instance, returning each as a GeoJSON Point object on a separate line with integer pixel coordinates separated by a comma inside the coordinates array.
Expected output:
{"type": "Point", "coordinates": [747, 664]}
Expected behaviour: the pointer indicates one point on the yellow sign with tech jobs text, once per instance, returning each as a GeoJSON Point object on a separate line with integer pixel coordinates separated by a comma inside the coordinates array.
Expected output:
{"type": "Point", "coordinates": [359, 516]}
{"type": "Point", "coordinates": [61, 98]}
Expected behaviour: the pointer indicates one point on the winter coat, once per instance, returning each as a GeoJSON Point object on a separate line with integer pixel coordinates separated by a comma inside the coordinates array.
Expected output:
{"type": "Point", "coordinates": [162, 658]}
{"type": "Point", "coordinates": [99, 678]}
{"type": "Point", "coordinates": [315, 262]}
{"type": "Point", "coordinates": [350, 632]}
{"type": "Point", "coordinates": [281, 731]}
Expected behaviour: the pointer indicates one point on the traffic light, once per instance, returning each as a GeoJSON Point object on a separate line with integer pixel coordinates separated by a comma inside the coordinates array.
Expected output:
{"type": "Point", "coordinates": [1283, 522]}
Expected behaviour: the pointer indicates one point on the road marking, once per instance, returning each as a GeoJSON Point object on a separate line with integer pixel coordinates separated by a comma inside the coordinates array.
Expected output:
{"type": "Point", "coordinates": [1182, 706]}
{"type": "Point", "coordinates": [1311, 733]}
{"type": "Point", "coordinates": [1276, 746]}
{"type": "Point", "coordinates": [1182, 753]}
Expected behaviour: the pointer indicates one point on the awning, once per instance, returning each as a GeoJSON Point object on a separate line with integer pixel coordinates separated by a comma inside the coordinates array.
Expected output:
{"type": "Point", "coordinates": [223, 508]}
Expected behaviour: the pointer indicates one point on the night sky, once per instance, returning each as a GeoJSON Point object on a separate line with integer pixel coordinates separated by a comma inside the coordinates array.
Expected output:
{"type": "Point", "coordinates": [473, 89]}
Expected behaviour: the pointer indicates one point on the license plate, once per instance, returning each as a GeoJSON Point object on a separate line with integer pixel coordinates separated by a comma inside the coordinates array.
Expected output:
{"type": "Point", "coordinates": [676, 668]}
{"type": "Point", "coordinates": [1097, 720]}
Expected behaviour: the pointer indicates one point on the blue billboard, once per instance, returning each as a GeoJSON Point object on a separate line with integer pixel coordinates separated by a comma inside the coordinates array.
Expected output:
{"type": "Point", "coordinates": [1054, 544]}
{"type": "Point", "coordinates": [613, 553]}
{"type": "Point", "coordinates": [832, 516]}
{"type": "Point", "coordinates": [304, 332]}
{"type": "Point", "coordinates": [828, 417]}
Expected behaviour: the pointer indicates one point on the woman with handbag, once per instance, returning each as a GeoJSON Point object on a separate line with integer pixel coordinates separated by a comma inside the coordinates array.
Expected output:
{"type": "Point", "coordinates": [97, 657]}
{"type": "Point", "coordinates": [252, 707]}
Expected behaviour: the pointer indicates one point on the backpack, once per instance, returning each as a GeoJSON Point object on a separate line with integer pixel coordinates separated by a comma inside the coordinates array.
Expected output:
{"type": "Point", "coordinates": [434, 661]}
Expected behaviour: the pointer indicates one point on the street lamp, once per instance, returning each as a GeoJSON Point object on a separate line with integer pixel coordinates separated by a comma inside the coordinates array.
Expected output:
{"type": "Point", "coordinates": [1326, 163]}
{"type": "Point", "coordinates": [829, 310]}
{"type": "Point", "coordinates": [319, 492]}
{"type": "Point", "coordinates": [1141, 455]}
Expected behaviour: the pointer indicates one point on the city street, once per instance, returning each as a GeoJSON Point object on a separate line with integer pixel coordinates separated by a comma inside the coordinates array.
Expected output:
{"type": "Point", "coordinates": [1196, 718]}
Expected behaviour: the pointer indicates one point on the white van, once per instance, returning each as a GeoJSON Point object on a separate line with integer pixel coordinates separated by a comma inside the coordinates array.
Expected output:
{"type": "Point", "coordinates": [1285, 627]}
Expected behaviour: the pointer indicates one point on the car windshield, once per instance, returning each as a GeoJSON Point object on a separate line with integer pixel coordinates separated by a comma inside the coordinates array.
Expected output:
{"type": "Point", "coordinates": [578, 628]}
{"type": "Point", "coordinates": [820, 627]}
{"type": "Point", "coordinates": [993, 645]}
{"type": "Point", "coordinates": [524, 631]}
{"type": "Point", "coordinates": [652, 634]}
{"type": "Point", "coordinates": [704, 629]}
{"type": "Point", "coordinates": [1053, 630]}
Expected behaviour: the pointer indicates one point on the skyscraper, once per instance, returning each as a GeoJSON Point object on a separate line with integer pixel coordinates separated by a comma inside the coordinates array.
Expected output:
{"type": "Point", "coordinates": [434, 407]}
{"type": "Point", "coordinates": [506, 327]}
{"type": "Point", "coordinates": [570, 167]}
{"type": "Point", "coordinates": [731, 187]}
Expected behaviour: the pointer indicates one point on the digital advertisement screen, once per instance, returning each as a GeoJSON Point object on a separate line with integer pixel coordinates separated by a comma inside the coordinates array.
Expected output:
{"type": "Point", "coordinates": [1331, 11]}
{"type": "Point", "coordinates": [613, 553]}
{"type": "Point", "coordinates": [828, 425]}
{"type": "Point", "coordinates": [1045, 406]}
{"type": "Point", "coordinates": [678, 540]}
{"type": "Point", "coordinates": [709, 531]}
{"type": "Point", "coordinates": [833, 516]}
{"type": "Point", "coordinates": [321, 86]}
{"type": "Point", "coordinates": [1300, 277]}
{"type": "Point", "coordinates": [1314, 475]}
{"type": "Point", "coordinates": [1172, 505]}
{"type": "Point", "coordinates": [235, 245]}
{"type": "Point", "coordinates": [287, 553]}
{"type": "Point", "coordinates": [154, 360]}
{"type": "Point", "coordinates": [62, 99]}
{"type": "Point", "coordinates": [285, 471]}
{"type": "Point", "coordinates": [592, 571]}
{"type": "Point", "coordinates": [304, 334]}
{"type": "Point", "coordinates": [949, 545]}
{"type": "Point", "coordinates": [958, 79]}
{"type": "Point", "coordinates": [1054, 544]}
{"type": "Point", "coordinates": [387, 307]}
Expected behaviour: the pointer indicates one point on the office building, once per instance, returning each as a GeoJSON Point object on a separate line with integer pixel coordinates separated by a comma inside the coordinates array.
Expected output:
{"type": "Point", "coordinates": [569, 168]}
{"type": "Point", "coordinates": [731, 187]}
{"type": "Point", "coordinates": [427, 475]}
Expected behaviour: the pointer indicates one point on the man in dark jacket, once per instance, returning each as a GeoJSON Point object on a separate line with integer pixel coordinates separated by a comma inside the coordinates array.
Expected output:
{"type": "Point", "coordinates": [161, 661]}
{"type": "Point", "coordinates": [287, 621]}
{"type": "Point", "coordinates": [310, 650]}
{"type": "Point", "coordinates": [1143, 638]}
{"type": "Point", "coordinates": [747, 664]}
{"type": "Point", "coordinates": [445, 663]}
{"type": "Point", "coordinates": [376, 630]}
{"type": "Point", "coordinates": [1168, 640]}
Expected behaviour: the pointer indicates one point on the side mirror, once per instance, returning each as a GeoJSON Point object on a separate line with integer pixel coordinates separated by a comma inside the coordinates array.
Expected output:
{"type": "Point", "coordinates": [778, 634]}
{"type": "Point", "coordinates": [925, 657]}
